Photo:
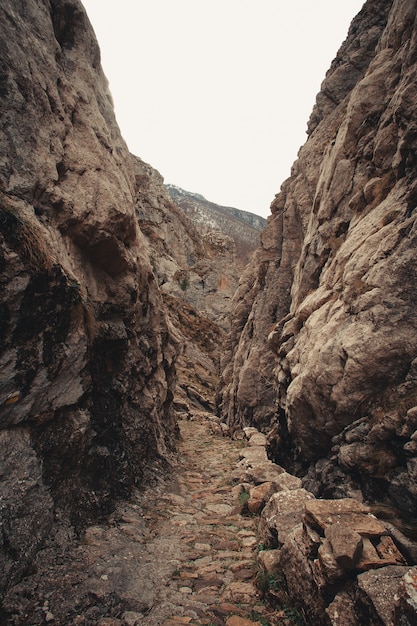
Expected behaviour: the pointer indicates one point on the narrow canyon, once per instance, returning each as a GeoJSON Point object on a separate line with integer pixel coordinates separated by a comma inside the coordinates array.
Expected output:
{"type": "Point", "coordinates": [206, 418]}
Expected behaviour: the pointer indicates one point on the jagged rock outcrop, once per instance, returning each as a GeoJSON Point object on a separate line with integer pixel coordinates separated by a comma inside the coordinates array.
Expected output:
{"type": "Point", "coordinates": [197, 275]}
{"type": "Point", "coordinates": [195, 266]}
{"type": "Point", "coordinates": [342, 565]}
{"type": "Point", "coordinates": [86, 349]}
{"type": "Point", "coordinates": [243, 227]}
{"type": "Point", "coordinates": [333, 281]}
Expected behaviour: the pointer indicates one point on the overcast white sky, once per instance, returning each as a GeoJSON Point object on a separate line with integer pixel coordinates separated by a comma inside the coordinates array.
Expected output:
{"type": "Point", "coordinates": [216, 94]}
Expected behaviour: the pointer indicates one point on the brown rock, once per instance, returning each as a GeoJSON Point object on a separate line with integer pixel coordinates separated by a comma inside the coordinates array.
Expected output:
{"type": "Point", "coordinates": [288, 482]}
{"type": "Point", "coordinates": [405, 544]}
{"type": "Point", "coordinates": [254, 454]}
{"type": "Point", "coordinates": [258, 439]}
{"type": "Point", "coordinates": [235, 620]}
{"type": "Point", "coordinates": [346, 545]}
{"type": "Point", "coordinates": [282, 513]}
{"type": "Point", "coordinates": [238, 592]}
{"type": "Point", "coordinates": [225, 609]}
{"type": "Point", "coordinates": [300, 577]}
{"type": "Point", "coordinates": [332, 571]}
{"type": "Point", "coordinates": [131, 618]}
{"type": "Point", "coordinates": [245, 574]}
{"type": "Point", "coordinates": [388, 552]}
{"type": "Point", "coordinates": [269, 559]}
{"type": "Point", "coordinates": [406, 603]}
{"type": "Point", "coordinates": [264, 472]}
{"type": "Point", "coordinates": [370, 558]}
{"type": "Point", "coordinates": [347, 512]}
{"type": "Point", "coordinates": [341, 612]}
{"type": "Point", "coordinates": [377, 593]}
{"type": "Point", "coordinates": [259, 495]}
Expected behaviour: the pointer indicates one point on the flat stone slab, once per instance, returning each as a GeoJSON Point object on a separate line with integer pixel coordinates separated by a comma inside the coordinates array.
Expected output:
{"type": "Point", "coordinates": [348, 512]}
{"type": "Point", "coordinates": [241, 592]}
{"type": "Point", "coordinates": [264, 472]}
{"type": "Point", "coordinates": [379, 589]}
{"type": "Point", "coordinates": [258, 439]}
{"type": "Point", "coordinates": [222, 509]}
{"type": "Point", "coordinates": [235, 620]}
{"type": "Point", "coordinates": [254, 454]}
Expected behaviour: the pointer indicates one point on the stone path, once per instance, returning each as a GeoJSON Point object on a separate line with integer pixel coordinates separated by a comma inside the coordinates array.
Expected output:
{"type": "Point", "coordinates": [205, 550]}
{"type": "Point", "coordinates": [202, 551]}
{"type": "Point", "coordinates": [178, 553]}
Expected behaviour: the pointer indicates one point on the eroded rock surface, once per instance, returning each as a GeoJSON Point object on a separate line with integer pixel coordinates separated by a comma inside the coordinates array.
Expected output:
{"type": "Point", "coordinates": [86, 349]}
{"type": "Point", "coordinates": [333, 282]}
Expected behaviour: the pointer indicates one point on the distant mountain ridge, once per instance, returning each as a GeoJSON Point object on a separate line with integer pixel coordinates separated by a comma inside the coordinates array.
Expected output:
{"type": "Point", "coordinates": [242, 226]}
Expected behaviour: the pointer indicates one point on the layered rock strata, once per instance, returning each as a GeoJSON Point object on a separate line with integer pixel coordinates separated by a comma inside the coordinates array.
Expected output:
{"type": "Point", "coordinates": [333, 283]}
{"type": "Point", "coordinates": [86, 349]}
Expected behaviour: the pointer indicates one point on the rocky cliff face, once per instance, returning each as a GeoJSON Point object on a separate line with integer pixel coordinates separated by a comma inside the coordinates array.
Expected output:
{"type": "Point", "coordinates": [333, 283]}
{"type": "Point", "coordinates": [197, 275]}
{"type": "Point", "coordinates": [243, 227]}
{"type": "Point", "coordinates": [87, 353]}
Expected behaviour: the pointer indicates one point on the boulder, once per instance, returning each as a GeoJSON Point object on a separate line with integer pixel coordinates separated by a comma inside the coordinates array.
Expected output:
{"type": "Point", "coordinates": [377, 592]}
{"type": "Point", "coordinates": [299, 572]}
{"type": "Point", "coordinates": [269, 560]}
{"type": "Point", "coordinates": [258, 439]}
{"type": "Point", "coordinates": [405, 612]}
{"type": "Point", "coordinates": [341, 612]}
{"type": "Point", "coordinates": [264, 472]}
{"type": "Point", "coordinates": [259, 496]}
{"type": "Point", "coordinates": [281, 514]}
{"type": "Point", "coordinates": [254, 454]}
{"type": "Point", "coordinates": [346, 545]}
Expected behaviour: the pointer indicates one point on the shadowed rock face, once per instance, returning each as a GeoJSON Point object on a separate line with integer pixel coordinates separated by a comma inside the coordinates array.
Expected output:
{"type": "Point", "coordinates": [86, 352]}
{"type": "Point", "coordinates": [333, 284]}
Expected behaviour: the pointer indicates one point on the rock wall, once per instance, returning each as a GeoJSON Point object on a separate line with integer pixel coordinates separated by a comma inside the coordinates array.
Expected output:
{"type": "Point", "coordinates": [87, 353]}
{"type": "Point", "coordinates": [199, 268]}
{"type": "Point", "coordinates": [197, 275]}
{"type": "Point", "coordinates": [333, 283]}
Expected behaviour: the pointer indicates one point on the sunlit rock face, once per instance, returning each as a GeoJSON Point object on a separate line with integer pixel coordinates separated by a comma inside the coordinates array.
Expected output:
{"type": "Point", "coordinates": [87, 355]}
{"type": "Point", "coordinates": [333, 283]}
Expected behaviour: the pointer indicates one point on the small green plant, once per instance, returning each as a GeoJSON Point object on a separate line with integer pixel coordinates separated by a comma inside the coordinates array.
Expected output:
{"type": "Point", "coordinates": [254, 616]}
{"type": "Point", "coordinates": [262, 547]}
{"type": "Point", "coordinates": [267, 582]}
{"type": "Point", "coordinates": [184, 283]}
{"type": "Point", "coordinates": [293, 615]}
{"type": "Point", "coordinates": [243, 503]}
{"type": "Point", "coordinates": [244, 497]}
